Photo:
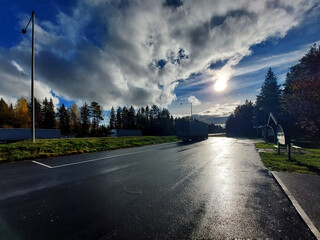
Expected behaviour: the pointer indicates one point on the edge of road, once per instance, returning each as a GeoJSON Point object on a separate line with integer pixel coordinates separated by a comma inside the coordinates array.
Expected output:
{"type": "Point", "coordinates": [297, 206]}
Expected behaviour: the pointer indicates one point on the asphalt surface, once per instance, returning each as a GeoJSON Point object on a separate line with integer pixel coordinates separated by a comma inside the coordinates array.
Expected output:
{"type": "Point", "coordinates": [306, 190]}
{"type": "Point", "coordinates": [214, 189]}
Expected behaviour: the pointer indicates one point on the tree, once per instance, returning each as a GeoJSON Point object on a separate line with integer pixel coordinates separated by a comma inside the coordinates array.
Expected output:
{"type": "Point", "coordinates": [164, 122]}
{"type": "Point", "coordinates": [131, 118]}
{"type": "Point", "coordinates": [22, 114]}
{"type": "Point", "coordinates": [48, 114]}
{"type": "Point", "coordinates": [269, 98]}
{"type": "Point", "coordinates": [4, 113]}
{"type": "Point", "coordinates": [75, 121]}
{"type": "Point", "coordinates": [147, 117]}
{"type": "Point", "coordinates": [154, 119]}
{"type": "Point", "coordinates": [140, 119]}
{"type": "Point", "coordinates": [38, 113]}
{"type": "Point", "coordinates": [301, 96]}
{"type": "Point", "coordinates": [64, 120]}
{"type": "Point", "coordinates": [96, 114]}
{"type": "Point", "coordinates": [119, 120]}
{"type": "Point", "coordinates": [124, 117]}
{"type": "Point", "coordinates": [240, 123]}
{"type": "Point", "coordinates": [85, 119]}
{"type": "Point", "coordinates": [112, 122]}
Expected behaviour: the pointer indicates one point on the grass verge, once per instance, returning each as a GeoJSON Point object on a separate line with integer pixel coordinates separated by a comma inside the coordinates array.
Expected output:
{"type": "Point", "coordinates": [46, 148]}
{"type": "Point", "coordinates": [306, 162]}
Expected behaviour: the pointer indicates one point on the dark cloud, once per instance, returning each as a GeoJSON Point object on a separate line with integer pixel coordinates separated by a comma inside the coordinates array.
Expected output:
{"type": "Point", "coordinates": [273, 4]}
{"type": "Point", "coordinates": [173, 3]}
{"type": "Point", "coordinates": [218, 20]}
{"type": "Point", "coordinates": [139, 96]}
{"type": "Point", "coordinates": [217, 64]}
{"type": "Point", "coordinates": [133, 52]}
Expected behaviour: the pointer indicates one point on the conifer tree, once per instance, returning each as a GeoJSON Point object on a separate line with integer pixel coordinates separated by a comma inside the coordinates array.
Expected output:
{"type": "Point", "coordinates": [119, 118]}
{"type": "Point", "coordinates": [85, 119]}
{"type": "Point", "coordinates": [269, 98]}
{"type": "Point", "coordinates": [64, 120]}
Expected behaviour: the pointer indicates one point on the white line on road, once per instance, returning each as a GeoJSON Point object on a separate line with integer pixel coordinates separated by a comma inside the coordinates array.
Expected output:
{"type": "Point", "coordinates": [297, 206]}
{"type": "Point", "coordinates": [91, 160]}
{"type": "Point", "coordinates": [42, 164]}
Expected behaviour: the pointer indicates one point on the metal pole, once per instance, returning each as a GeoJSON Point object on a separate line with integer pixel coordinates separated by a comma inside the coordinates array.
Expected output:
{"type": "Point", "coordinates": [24, 30]}
{"type": "Point", "coordinates": [191, 110]}
{"type": "Point", "coordinates": [32, 85]}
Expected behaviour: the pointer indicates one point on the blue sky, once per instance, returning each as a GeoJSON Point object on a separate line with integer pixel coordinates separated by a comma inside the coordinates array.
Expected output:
{"type": "Point", "coordinates": [153, 52]}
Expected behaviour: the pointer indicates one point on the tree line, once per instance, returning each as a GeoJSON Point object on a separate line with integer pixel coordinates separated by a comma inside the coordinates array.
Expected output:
{"type": "Point", "coordinates": [86, 120]}
{"type": "Point", "coordinates": [296, 103]}
{"type": "Point", "coordinates": [72, 121]}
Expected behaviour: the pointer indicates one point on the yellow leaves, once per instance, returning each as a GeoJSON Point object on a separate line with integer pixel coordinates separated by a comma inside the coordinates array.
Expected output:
{"type": "Point", "coordinates": [22, 113]}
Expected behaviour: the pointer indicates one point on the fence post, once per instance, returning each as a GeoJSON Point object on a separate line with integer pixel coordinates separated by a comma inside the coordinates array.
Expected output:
{"type": "Point", "coordinates": [289, 150]}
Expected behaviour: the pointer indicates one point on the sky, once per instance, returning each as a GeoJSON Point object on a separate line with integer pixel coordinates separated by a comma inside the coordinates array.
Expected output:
{"type": "Point", "coordinates": [211, 53]}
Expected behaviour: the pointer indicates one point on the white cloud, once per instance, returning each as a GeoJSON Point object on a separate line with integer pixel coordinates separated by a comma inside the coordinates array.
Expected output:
{"type": "Point", "coordinates": [116, 62]}
{"type": "Point", "coordinates": [195, 101]}
{"type": "Point", "coordinates": [220, 110]}
{"type": "Point", "coordinates": [19, 68]}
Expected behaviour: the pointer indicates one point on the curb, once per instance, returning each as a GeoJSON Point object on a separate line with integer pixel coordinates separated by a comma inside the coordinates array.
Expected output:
{"type": "Point", "coordinates": [297, 206]}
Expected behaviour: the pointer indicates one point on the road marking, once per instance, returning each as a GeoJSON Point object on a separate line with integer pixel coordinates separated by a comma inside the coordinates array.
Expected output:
{"type": "Point", "coordinates": [91, 160]}
{"type": "Point", "coordinates": [297, 206]}
{"type": "Point", "coordinates": [42, 164]}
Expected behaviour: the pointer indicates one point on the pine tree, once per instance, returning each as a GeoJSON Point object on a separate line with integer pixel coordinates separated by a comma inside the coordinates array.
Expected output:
{"type": "Point", "coordinates": [64, 120]}
{"type": "Point", "coordinates": [269, 98]}
{"type": "Point", "coordinates": [119, 121]}
{"type": "Point", "coordinates": [48, 114]}
{"type": "Point", "coordinates": [131, 118]}
{"type": "Point", "coordinates": [38, 113]}
{"type": "Point", "coordinates": [85, 119]}
{"type": "Point", "coordinates": [147, 112]}
{"type": "Point", "coordinates": [154, 119]}
{"type": "Point", "coordinates": [112, 122]}
{"type": "Point", "coordinates": [124, 117]}
{"type": "Point", "coordinates": [96, 114]}
{"type": "Point", "coordinates": [4, 113]}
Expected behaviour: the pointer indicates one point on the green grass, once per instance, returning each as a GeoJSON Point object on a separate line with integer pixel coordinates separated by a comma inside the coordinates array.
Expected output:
{"type": "Point", "coordinates": [264, 145]}
{"type": "Point", "coordinates": [307, 162]}
{"type": "Point", "coordinates": [46, 148]}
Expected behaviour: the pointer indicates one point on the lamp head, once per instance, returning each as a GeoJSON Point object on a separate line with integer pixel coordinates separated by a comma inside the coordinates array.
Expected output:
{"type": "Point", "coordinates": [24, 31]}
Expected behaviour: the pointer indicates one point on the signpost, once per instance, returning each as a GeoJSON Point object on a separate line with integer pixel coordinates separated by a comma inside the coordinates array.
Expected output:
{"type": "Point", "coordinates": [283, 141]}
{"type": "Point", "coordinates": [280, 137]}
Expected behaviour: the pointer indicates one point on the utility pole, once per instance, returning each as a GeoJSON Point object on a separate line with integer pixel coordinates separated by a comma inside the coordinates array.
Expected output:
{"type": "Point", "coordinates": [190, 106]}
{"type": "Point", "coordinates": [24, 31]}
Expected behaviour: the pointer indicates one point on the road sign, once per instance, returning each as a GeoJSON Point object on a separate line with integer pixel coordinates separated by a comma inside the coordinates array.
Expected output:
{"type": "Point", "coordinates": [280, 135]}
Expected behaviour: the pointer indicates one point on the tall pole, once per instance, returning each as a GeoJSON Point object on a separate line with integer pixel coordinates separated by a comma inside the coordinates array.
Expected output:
{"type": "Point", "coordinates": [32, 78]}
{"type": "Point", "coordinates": [33, 129]}
{"type": "Point", "coordinates": [190, 106]}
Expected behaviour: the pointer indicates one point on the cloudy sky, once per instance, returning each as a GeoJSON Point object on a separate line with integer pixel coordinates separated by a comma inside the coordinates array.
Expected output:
{"type": "Point", "coordinates": [213, 53]}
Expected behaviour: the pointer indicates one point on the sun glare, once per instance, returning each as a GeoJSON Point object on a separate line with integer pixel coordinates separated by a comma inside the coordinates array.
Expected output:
{"type": "Point", "coordinates": [221, 82]}
{"type": "Point", "coordinates": [220, 85]}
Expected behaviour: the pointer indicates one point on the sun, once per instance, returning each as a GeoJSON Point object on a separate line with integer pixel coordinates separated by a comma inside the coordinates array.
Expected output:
{"type": "Point", "coordinates": [221, 82]}
{"type": "Point", "coordinates": [220, 85]}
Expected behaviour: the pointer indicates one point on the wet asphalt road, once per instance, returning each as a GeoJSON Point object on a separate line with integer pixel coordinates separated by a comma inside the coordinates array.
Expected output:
{"type": "Point", "coordinates": [213, 189]}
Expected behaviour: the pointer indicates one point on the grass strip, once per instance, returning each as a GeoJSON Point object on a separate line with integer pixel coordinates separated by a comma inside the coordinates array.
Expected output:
{"type": "Point", "coordinates": [306, 162]}
{"type": "Point", "coordinates": [47, 148]}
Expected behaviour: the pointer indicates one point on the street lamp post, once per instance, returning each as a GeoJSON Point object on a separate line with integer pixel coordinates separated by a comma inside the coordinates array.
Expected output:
{"type": "Point", "coordinates": [190, 106]}
{"type": "Point", "coordinates": [32, 77]}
